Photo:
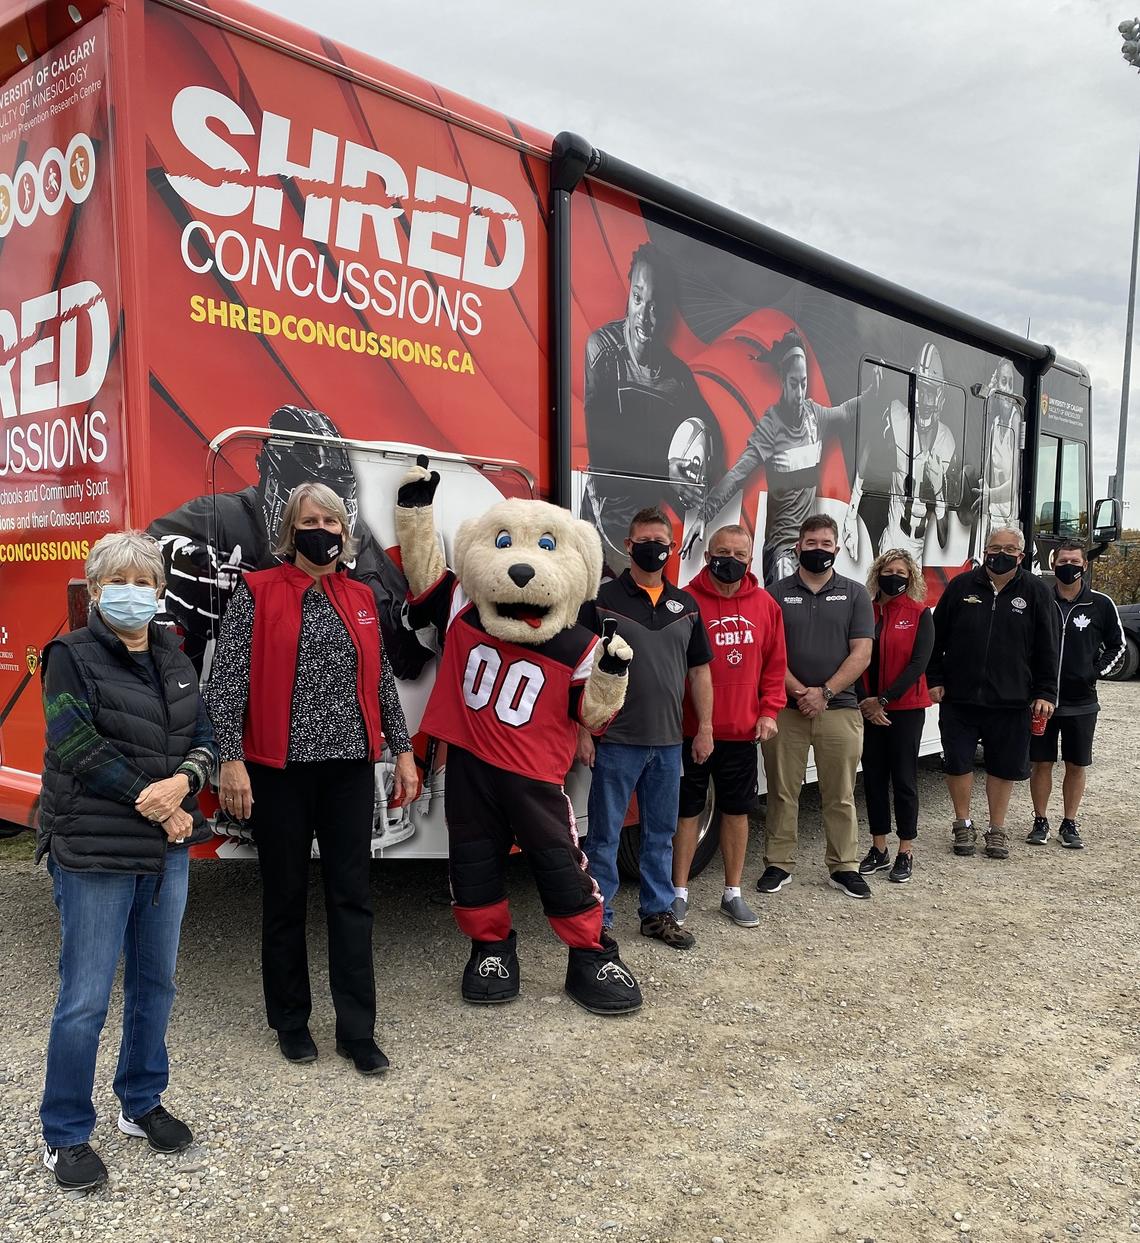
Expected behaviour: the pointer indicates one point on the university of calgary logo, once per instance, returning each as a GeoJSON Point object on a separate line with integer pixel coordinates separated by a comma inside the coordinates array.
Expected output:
{"type": "Point", "coordinates": [32, 658]}
{"type": "Point", "coordinates": [1044, 404]}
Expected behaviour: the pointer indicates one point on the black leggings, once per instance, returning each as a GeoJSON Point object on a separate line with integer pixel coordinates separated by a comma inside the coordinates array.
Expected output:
{"type": "Point", "coordinates": [890, 759]}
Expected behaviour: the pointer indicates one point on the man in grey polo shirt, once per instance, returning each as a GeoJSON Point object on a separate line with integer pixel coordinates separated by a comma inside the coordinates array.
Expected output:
{"type": "Point", "coordinates": [829, 627]}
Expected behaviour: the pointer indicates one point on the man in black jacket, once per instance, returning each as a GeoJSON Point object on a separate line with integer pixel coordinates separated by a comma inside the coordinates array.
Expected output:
{"type": "Point", "coordinates": [994, 665]}
{"type": "Point", "coordinates": [1091, 646]}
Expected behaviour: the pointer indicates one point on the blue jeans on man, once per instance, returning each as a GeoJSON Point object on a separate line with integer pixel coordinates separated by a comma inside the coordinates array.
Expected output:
{"type": "Point", "coordinates": [654, 773]}
{"type": "Point", "coordinates": [105, 915]}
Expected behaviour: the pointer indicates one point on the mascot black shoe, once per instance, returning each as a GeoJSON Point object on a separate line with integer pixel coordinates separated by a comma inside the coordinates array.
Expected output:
{"type": "Point", "coordinates": [600, 982]}
{"type": "Point", "coordinates": [517, 677]}
{"type": "Point", "coordinates": [492, 972]}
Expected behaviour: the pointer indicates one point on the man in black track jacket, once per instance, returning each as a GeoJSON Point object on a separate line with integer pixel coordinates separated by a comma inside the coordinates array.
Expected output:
{"type": "Point", "coordinates": [994, 666]}
{"type": "Point", "coordinates": [1091, 646]}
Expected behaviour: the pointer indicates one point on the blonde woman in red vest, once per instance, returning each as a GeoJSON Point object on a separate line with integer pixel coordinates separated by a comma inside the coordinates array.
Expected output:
{"type": "Point", "coordinates": [893, 700]}
{"type": "Point", "coordinates": [303, 695]}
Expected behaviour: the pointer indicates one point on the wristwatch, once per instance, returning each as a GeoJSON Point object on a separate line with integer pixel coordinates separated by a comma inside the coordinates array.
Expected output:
{"type": "Point", "coordinates": [828, 693]}
{"type": "Point", "coordinates": [883, 701]}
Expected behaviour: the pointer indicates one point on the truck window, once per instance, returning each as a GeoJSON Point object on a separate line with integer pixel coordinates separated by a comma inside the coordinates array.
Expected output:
{"type": "Point", "coordinates": [1062, 488]}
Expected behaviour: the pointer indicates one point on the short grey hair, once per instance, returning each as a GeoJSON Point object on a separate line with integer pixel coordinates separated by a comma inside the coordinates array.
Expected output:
{"type": "Point", "coordinates": [324, 498]}
{"type": "Point", "coordinates": [119, 552]}
{"type": "Point", "coordinates": [1017, 532]}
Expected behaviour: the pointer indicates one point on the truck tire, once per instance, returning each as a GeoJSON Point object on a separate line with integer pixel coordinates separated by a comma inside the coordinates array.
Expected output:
{"type": "Point", "coordinates": [708, 842]}
{"type": "Point", "coordinates": [1129, 665]}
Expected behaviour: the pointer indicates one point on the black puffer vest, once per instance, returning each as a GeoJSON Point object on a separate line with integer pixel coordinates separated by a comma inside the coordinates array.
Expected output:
{"type": "Point", "coordinates": [83, 830]}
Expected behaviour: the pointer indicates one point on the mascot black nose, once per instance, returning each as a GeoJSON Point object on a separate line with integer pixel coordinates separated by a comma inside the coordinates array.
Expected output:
{"type": "Point", "coordinates": [521, 573]}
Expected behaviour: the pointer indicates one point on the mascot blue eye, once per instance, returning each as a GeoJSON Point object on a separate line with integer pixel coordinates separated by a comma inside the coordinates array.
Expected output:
{"type": "Point", "coordinates": [503, 539]}
{"type": "Point", "coordinates": [547, 543]}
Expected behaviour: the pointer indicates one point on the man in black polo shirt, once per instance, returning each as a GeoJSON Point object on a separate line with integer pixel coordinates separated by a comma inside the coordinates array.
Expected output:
{"type": "Point", "coordinates": [641, 750]}
{"type": "Point", "coordinates": [993, 668]}
{"type": "Point", "coordinates": [829, 628]}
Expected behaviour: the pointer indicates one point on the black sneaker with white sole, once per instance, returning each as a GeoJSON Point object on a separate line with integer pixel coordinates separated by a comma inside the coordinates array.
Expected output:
{"type": "Point", "coordinates": [850, 883]}
{"type": "Point", "coordinates": [1039, 834]}
{"type": "Point", "coordinates": [773, 879]}
{"type": "Point", "coordinates": [1070, 835]}
{"type": "Point", "coordinates": [904, 867]}
{"type": "Point", "coordinates": [875, 860]}
{"type": "Point", "coordinates": [163, 1131]}
{"type": "Point", "coordinates": [77, 1168]}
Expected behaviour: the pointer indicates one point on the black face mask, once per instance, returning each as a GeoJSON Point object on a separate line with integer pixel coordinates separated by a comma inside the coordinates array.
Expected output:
{"type": "Point", "coordinates": [893, 584]}
{"type": "Point", "coordinates": [317, 546]}
{"type": "Point", "coordinates": [650, 555]}
{"type": "Point", "coordinates": [1000, 562]}
{"type": "Point", "coordinates": [1068, 573]}
{"type": "Point", "coordinates": [817, 560]}
{"type": "Point", "coordinates": [727, 569]}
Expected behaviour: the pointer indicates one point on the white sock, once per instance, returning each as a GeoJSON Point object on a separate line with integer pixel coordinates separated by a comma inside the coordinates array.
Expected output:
{"type": "Point", "coordinates": [730, 892]}
{"type": "Point", "coordinates": [682, 892]}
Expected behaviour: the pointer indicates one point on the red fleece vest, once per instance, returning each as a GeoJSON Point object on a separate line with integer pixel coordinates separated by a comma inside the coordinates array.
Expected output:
{"type": "Point", "coordinates": [899, 619]}
{"type": "Point", "coordinates": [277, 597]}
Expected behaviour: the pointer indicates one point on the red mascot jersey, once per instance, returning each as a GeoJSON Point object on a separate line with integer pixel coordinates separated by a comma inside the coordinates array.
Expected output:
{"type": "Point", "coordinates": [513, 707]}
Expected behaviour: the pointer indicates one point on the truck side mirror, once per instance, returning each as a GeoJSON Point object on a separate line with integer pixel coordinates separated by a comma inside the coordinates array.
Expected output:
{"type": "Point", "coordinates": [1106, 521]}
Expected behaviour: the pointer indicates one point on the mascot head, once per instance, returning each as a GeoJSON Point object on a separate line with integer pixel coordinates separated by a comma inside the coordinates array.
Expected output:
{"type": "Point", "coordinates": [528, 566]}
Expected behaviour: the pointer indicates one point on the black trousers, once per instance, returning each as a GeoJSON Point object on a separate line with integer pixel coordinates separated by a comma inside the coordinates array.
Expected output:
{"type": "Point", "coordinates": [890, 764]}
{"type": "Point", "coordinates": [333, 800]}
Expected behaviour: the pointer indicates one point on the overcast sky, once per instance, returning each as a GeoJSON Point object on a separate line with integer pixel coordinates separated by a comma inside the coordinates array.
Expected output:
{"type": "Point", "coordinates": [982, 152]}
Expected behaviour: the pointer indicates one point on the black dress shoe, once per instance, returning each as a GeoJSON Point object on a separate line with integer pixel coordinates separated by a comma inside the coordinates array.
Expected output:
{"type": "Point", "coordinates": [297, 1045]}
{"type": "Point", "coordinates": [365, 1055]}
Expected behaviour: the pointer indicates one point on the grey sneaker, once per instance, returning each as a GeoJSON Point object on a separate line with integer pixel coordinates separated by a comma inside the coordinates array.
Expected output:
{"type": "Point", "coordinates": [997, 843]}
{"type": "Point", "coordinates": [741, 914]}
{"type": "Point", "coordinates": [965, 837]}
{"type": "Point", "coordinates": [680, 909]}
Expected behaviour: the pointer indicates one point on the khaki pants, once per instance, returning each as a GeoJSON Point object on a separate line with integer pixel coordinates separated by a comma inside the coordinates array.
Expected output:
{"type": "Point", "coordinates": [837, 737]}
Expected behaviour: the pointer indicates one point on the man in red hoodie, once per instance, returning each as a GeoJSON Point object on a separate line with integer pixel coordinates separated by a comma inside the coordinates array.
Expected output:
{"type": "Point", "coordinates": [746, 630]}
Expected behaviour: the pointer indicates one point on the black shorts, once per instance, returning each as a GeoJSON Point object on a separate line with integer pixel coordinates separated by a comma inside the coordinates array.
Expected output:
{"type": "Point", "coordinates": [1003, 733]}
{"type": "Point", "coordinates": [1076, 735]}
{"type": "Point", "coordinates": [733, 768]}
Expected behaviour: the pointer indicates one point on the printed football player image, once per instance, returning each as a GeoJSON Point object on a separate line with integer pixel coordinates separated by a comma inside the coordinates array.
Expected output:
{"type": "Point", "coordinates": [649, 433]}
{"type": "Point", "coordinates": [998, 503]}
{"type": "Point", "coordinates": [208, 542]}
{"type": "Point", "coordinates": [788, 443]}
{"type": "Point", "coordinates": [888, 457]}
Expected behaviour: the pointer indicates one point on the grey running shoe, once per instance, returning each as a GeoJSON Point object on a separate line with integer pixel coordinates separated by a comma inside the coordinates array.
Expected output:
{"type": "Point", "coordinates": [997, 843]}
{"type": "Point", "coordinates": [965, 835]}
{"type": "Point", "coordinates": [1039, 834]}
{"type": "Point", "coordinates": [1070, 835]}
{"type": "Point", "coordinates": [739, 912]}
{"type": "Point", "coordinates": [680, 909]}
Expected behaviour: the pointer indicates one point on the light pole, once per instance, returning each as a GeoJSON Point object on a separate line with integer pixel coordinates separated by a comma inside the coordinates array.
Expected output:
{"type": "Point", "coordinates": [1130, 32]}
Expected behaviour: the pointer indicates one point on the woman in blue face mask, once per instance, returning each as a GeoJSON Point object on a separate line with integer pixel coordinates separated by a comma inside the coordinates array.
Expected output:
{"type": "Point", "coordinates": [129, 745]}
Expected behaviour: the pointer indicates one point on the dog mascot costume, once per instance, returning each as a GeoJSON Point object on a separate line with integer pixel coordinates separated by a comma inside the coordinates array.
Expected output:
{"type": "Point", "coordinates": [517, 676]}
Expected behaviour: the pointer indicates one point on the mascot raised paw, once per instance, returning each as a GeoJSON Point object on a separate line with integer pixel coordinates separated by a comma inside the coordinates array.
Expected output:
{"type": "Point", "coordinates": [516, 677]}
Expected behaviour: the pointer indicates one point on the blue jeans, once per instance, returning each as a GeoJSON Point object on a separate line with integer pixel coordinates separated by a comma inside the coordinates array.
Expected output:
{"type": "Point", "coordinates": [655, 774]}
{"type": "Point", "coordinates": [103, 915]}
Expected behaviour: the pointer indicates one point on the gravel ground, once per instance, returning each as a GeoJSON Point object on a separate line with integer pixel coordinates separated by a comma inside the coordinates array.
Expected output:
{"type": "Point", "coordinates": [956, 1058]}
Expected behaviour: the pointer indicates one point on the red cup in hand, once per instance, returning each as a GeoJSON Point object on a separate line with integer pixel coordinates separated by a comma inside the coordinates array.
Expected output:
{"type": "Point", "coordinates": [1037, 723]}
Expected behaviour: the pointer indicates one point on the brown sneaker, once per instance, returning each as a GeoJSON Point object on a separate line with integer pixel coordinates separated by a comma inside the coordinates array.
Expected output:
{"type": "Point", "coordinates": [997, 844]}
{"type": "Point", "coordinates": [664, 927]}
{"type": "Point", "coordinates": [965, 835]}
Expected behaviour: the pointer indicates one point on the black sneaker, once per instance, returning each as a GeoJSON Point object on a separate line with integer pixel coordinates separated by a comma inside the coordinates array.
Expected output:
{"type": "Point", "coordinates": [664, 927]}
{"type": "Point", "coordinates": [598, 981]}
{"type": "Point", "coordinates": [773, 879]}
{"type": "Point", "coordinates": [162, 1130]}
{"type": "Point", "coordinates": [492, 972]}
{"type": "Point", "coordinates": [297, 1045]}
{"type": "Point", "coordinates": [1070, 835]}
{"type": "Point", "coordinates": [876, 860]}
{"type": "Point", "coordinates": [904, 866]}
{"type": "Point", "coordinates": [1039, 834]}
{"type": "Point", "coordinates": [77, 1168]}
{"type": "Point", "coordinates": [850, 883]}
{"type": "Point", "coordinates": [365, 1055]}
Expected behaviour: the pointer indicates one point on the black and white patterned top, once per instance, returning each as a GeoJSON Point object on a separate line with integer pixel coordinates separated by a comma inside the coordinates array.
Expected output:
{"type": "Point", "coordinates": [325, 721]}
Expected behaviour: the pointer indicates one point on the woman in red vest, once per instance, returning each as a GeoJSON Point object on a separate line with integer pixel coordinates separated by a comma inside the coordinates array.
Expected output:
{"type": "Point", "coordinates": [303, 695]}
{"type": "Point", "coordinates": [893, 700]}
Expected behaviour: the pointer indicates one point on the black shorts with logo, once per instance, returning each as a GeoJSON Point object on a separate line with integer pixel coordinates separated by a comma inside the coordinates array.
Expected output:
{"type": "Point", "coordinates": [1003, 733]}
{"type": "Point", "coordinates": [733, 769]}
{"type": "Point", "coordinates": [1076, 737]}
